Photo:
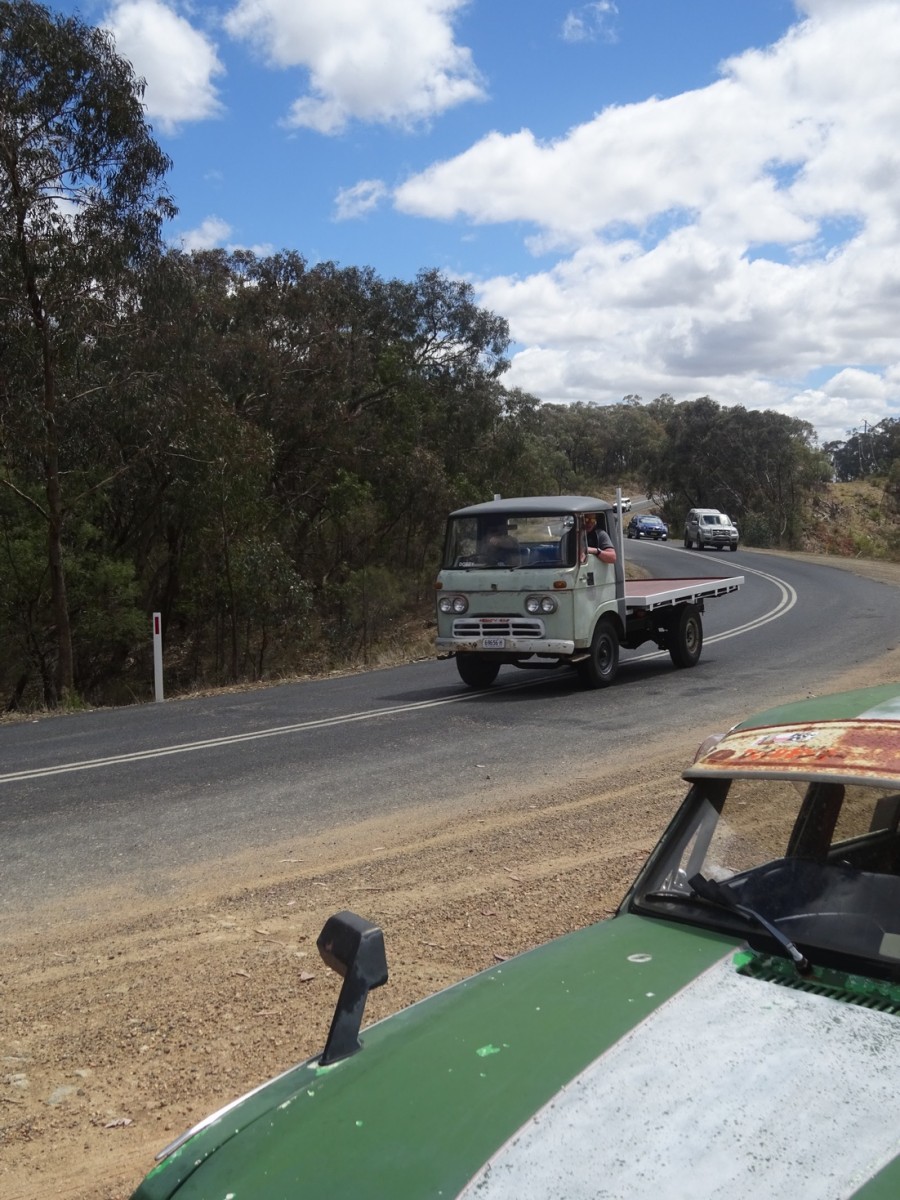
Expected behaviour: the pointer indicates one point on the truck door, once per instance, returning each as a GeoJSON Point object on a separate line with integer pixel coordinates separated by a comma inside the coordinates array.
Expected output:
{"type": "Point", "coordinates": [595, 581]}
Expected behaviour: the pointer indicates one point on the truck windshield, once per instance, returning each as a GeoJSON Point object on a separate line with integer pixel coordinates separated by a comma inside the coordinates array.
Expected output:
{"type": "Point", "coordinates": [510, 542]}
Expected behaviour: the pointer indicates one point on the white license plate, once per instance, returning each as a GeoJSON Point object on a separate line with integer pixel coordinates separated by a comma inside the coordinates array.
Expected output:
{"type": "Point", "coordinates": [493, 643]}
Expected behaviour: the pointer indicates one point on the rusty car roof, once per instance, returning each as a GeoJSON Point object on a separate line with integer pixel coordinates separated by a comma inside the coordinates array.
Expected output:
{"type": "Point", "coordinates": [849, 737]}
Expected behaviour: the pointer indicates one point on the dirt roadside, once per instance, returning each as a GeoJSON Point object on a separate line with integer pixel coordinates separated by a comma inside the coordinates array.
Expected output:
{"type": "Point", "coordinates": [124, 1019]}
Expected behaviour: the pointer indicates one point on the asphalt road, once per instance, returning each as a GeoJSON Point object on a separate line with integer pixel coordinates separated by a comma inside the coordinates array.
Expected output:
{"type": "Point", "coordinates": [105, 795]}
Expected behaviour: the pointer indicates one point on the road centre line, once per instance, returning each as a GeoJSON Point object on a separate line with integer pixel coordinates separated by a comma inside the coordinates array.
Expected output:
{"type": "Point", "coordinates": [786, 603]}
{"type": "Point", "coordinates": [232, 739]}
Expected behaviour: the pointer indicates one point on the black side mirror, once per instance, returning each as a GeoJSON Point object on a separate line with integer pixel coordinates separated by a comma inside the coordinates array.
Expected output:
{"type": "Point", "coordinates": [354, 948]}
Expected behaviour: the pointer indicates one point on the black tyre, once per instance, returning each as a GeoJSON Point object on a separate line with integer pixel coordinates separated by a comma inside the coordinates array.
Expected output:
{"type": "Point", "coordinates": [599, 669]}
{"type": "Point", "coordinates": [687, 542]}
{"type": "Point", "coordinates": [685, 636]}
{"type": "Point", "coordinates": [476, 670]}
{"type": "Point", "coordinates": [734, 545]}
{"type": "Point", "coordinates": [699, 545]}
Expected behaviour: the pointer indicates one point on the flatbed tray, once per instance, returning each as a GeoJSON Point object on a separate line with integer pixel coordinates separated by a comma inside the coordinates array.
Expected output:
{"type": "Point", "coordinates": [660, 593]}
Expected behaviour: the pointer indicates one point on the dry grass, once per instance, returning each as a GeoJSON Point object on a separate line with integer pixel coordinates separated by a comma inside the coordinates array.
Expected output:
{"type": "Point", "coordinates": [854, 520]}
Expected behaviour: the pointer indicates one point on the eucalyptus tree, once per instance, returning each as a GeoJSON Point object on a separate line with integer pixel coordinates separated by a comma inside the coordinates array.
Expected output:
{"type": "Point", "coordinates": [196, 512]}
{"type": "Point", "coordinates": [369, 388]}
{"type": "Point", "coordinates": [577, 444]}
{"type": "Point", "coordinates": [601, 445]}
{"type": "Point", "coordinates": [774, 467]}
{"type": "Point", "coordinates": [872, 450]}
{"type": "Point", "coordinates": [82, 201]}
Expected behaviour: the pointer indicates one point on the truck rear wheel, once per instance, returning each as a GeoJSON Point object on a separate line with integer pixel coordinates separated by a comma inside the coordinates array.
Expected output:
{"type": "Point", "coordinates": [599, 669]}
{"type": "Point", "coordinates": [685, 636]}
{"type": "Point", "coordinates": [476, 670]}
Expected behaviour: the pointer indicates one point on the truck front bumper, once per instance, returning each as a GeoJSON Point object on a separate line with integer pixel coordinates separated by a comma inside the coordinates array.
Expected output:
{"type": "Point", "coordinates": [552, 647]}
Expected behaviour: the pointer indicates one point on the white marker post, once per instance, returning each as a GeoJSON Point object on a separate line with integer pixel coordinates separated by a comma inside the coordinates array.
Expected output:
{"type": "Point", "coordinates": [157, 655]}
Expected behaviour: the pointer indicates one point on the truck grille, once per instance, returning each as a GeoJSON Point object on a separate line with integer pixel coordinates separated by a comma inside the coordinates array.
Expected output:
{"type": "Point", "coordinates": [515, 627]}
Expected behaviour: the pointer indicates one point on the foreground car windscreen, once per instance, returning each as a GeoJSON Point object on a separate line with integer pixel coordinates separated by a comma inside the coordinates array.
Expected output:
{"type": "Point", "coordinates": [818, 862]}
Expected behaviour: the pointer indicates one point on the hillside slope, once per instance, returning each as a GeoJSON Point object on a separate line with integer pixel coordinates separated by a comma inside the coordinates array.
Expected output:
{"type": "Point", "coordinates": [855, 520]}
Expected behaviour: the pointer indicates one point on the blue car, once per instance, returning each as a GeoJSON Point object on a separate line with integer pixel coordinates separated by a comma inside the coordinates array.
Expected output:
{"type": "Point", "coordinates": [648, 527]}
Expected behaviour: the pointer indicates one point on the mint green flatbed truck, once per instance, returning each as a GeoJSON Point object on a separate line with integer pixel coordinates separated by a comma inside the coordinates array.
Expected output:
{"type": "Point", "coordinates": [518, 585]}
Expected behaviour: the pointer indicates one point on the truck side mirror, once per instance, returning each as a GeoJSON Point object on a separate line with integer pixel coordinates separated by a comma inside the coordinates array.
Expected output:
{"type": "Point", "coordinates": [354, 948]}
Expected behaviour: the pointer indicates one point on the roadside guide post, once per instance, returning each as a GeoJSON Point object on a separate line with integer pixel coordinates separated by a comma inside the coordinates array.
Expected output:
{"type": "Point", "coordinates": [157, 655]}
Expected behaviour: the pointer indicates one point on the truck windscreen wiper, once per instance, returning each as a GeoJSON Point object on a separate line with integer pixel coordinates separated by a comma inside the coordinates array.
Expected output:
{"type": "Point", "coordinates": [722, 896]}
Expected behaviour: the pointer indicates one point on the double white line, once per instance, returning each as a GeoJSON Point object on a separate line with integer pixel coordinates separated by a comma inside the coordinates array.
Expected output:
{"type": "Point", "coordinates": [231, 740]}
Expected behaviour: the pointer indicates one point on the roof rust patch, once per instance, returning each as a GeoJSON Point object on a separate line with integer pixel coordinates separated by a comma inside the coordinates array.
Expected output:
{"type": "Point", "coordinates": [856, 747]}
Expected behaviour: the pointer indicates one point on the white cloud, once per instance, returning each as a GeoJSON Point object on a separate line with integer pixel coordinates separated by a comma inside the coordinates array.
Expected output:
{"type": "Point", "coordinates": [729, 241]}
{"type": "Point", "coordinates": [214, 233]}
{"type": "Point", "coordinates": [392, 62]}
{"type": "Point", "coordinates": [178, 61]}
{"type": "Point", "coordinates": [856, 385]}
{"type": "Point", "coordinates": [209, 235]}
{"type": "Point", "coordinates": [590, 22]}
{"type": "Point", "coordinates": [260, 249]}
{"type": "Point", "coordinates": [359, 200]}
{"type": "Point", "coordinates": [847, 401]}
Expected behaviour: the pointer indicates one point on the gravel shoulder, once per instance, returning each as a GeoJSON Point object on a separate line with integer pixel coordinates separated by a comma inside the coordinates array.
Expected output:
{"type": "Point", "coordinates": [125, 1018]}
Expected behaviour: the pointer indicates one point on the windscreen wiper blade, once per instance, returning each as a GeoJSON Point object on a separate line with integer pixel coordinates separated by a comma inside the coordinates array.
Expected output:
{"type": "Point", "coordinates": [721, 895]}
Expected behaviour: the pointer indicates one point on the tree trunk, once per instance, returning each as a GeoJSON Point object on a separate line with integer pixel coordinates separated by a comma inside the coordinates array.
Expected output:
{"type": "Point", "coordinates": [64, 676]}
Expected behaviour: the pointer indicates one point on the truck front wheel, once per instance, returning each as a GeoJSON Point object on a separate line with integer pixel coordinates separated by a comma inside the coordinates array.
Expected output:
{"type": "Point", "coordinates": [476, 670]}
{"type": "Point", "coordinates": [685, 636]}
{"type": "Point", "coordinates": [599, 669]}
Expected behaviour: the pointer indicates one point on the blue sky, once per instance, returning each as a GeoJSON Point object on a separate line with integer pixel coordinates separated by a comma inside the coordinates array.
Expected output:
{"type": "Point", "coordinates": [698, 197]}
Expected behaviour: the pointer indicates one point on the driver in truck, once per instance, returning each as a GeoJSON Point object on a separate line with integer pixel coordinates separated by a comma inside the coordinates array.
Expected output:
{"type": "Point", "coordinates": [598, 541]}
{"type": "Point", "coordinates": [498, 546]}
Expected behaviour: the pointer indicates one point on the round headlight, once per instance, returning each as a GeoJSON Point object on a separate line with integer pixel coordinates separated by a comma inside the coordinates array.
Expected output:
{"type": "Point", "coordinates": [460, 604]}
{"type": "Point", "coordinates": [540, 604]}
{"type": "Point", "coordinates": [445, 604]}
